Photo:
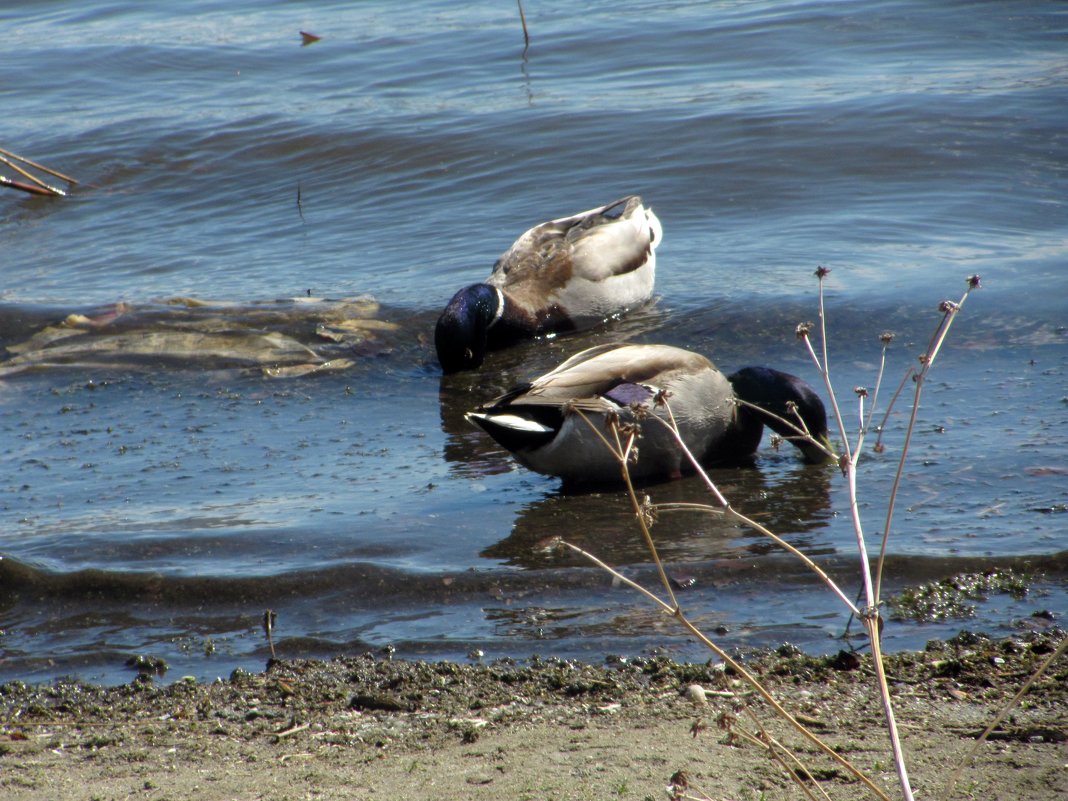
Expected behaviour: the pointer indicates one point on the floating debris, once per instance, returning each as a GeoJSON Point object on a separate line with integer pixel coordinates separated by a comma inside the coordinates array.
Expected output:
{"type": "Point", "coordinates": [37, 185]}
{"type": "Point", "coordinates": [283, 339]}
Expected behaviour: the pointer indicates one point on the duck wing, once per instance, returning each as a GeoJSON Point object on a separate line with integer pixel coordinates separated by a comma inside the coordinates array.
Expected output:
{"type": "Point", "coordinates": [606, 376]}
{"type": "Point", "coordinates": [595, 245]}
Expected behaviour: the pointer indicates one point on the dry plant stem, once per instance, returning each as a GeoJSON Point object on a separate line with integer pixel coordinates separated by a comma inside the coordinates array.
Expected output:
{"type": "Point", "coordinates": [623, 454]}
{"type": "Point", "coordinates": [890, 407]}
{"type": "Point", "coordinates": [798, 426]}
{"type": "Point", "coordinates": [870, 616]}
{"type": "Point", "coordinates": [780, 753]}
{"type": "Point", "coordinates": [646, 535]}
{"type": "Point", "coordinates": [681, 506]}
{"type": "Point", "coordinates": [31, 176]}
{"type": "Point", "coordinates": [871, 623]}
{"type": "Point", "coordinates": [866, 424]}
{"type": "Point", "coordinates": [849, 464]}
{"type": "Point", "coordinates": [926, 361]}
{"type": "Point", "coordinates": [37, 166]}
{"type": "Point", "coordinates": [24, 187]}
{"type": "Point", "coordinates": [736, 666]}
{"type": "Point", "coordinates": [825, 370]}
{"type": "Point", "coordinates": [730, 512]}
{"type": "Point", "coordinates": [1057, 653]}
{"type": "Point", "coordinates": [675, 609]}
{"type": "Point", "coordinates": [523, 19]}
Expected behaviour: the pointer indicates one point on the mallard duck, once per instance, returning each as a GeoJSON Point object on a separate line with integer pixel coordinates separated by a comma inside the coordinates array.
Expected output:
{"type": "Point", "coordinates": [539, 422]}
{"type": "Point", "coordinates": [564, 274]}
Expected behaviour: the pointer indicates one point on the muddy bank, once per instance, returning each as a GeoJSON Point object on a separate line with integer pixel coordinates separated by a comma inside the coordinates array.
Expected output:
{"type": "Point", "coordinates": [363, 727]}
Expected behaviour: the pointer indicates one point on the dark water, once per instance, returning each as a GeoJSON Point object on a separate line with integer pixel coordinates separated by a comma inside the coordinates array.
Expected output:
{"type": "Point", "coordinates": [159, 504]}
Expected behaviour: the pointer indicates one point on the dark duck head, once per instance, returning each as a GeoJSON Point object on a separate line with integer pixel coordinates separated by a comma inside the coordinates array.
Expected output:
{"type": "Point", "coordinates": [568, 273]}
{"type": "Point", "coordinates": [463, 328]}
{"type": "Point", "coordinates": [780, 393]}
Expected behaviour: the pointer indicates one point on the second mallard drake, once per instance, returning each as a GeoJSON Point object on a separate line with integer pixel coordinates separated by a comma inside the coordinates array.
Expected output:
{"type": "Point", "coordinates": [540, 424]}
{"type": "Point", "coordinates": [561, 275]}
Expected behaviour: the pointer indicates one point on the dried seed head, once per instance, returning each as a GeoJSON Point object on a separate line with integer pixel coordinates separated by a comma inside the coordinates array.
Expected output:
{"type": "Point", "coordinates": [822, 272]}
{"type": "Point", "coordinates": [947, 306]}
{"type": "Point", "coordinates": [973, 282]}
{"type": "Point", "coordinates": [678, 783]}
{"type": "Point", "coordinates": [862, 392]}
{"type": "Point", "coordinates": [879, 447]}
{"type": "Point", "coordinates": [661, 397]}
{"type": "Point", "coordinates": [803, 330]}
{"type": "Point", "coordinates": [886, 337]}
{"type": "Point", "coordinates": [647, 510]}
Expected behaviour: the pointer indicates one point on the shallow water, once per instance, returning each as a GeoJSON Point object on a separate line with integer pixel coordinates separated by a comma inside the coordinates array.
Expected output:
{"type": "Point", "coordinates": [159, 506]}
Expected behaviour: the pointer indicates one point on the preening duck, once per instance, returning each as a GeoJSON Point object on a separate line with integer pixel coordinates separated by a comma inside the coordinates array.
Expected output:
{"type": "Point", "coordinates": [564, 274]}
{"type": "Point", "coordinates": [540, 424]}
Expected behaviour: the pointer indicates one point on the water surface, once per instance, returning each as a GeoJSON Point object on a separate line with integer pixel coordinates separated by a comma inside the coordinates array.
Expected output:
{"type": "Point", "coordinates": [159, 506]}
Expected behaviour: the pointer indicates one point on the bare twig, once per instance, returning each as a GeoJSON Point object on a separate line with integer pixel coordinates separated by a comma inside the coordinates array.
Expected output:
{"type": "Point", "coordinates": [740, 669]}
{"type": "Point", "coordinates": [870, 613]}
{"type": "Point", "coordinates": [890, 407]}
{"type": "Point", "coordinates": [780, 753]}
{"type": "Point", "coordinates": [623, 455]}
{"type": "Point", "coordinates": [732, 513]}
{"type": "Point", "coordinates": [49, 189]}
{"type": "Point", "coordinates": [269, 619]}
{"type": "Point", "coordinates": [1057, 653]}
{"type": "Point", "coordinates": [949, 311]}
{"type": "Point", "coordinates": [799, 426]}
{"type": "Point", "coordinates": [526, 35]}
{"type": "Point", "coordinates": [36, 166]}
{"type": "Point", "coordinates": [24, 187]}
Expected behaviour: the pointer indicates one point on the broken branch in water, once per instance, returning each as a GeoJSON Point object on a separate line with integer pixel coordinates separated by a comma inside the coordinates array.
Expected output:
{"type": "Point", "coordinates": [37, 186]}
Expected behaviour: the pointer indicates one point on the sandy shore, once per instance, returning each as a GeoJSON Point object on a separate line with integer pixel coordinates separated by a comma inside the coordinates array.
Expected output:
{"type": "Point", "coordinates": [364, 727]}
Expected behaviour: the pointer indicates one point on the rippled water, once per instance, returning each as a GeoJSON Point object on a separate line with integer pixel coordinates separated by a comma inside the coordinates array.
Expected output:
{"type": "Point", "coordinates": [159, 506]}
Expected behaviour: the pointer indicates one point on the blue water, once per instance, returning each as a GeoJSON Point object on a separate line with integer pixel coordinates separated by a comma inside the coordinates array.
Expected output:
{"type": "Point", "coordinates": [161, 507]}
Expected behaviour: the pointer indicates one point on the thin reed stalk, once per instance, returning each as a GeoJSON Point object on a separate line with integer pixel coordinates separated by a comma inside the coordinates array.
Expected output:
{"type": "Point", "coordinates": [870, 614]}
{"type": "Point", "coordinates": [36, 166]}
{"type": "Point", "coordinates": [949, 311]}
{"type": "Point", "coordinates": [1053, 657]}
{"type": "Point", "coordinates": [623, 455]}
{"type": "Point", "coordinates": [734, 514]}
{"type": "Point", "coordinates": [10, 160]}
{"type": "Point", "coordinates": [847, 461]}
{"type": "Point", "coordinates": [676, 612]}
{"type": "Point", "coordinates": [523, 20]}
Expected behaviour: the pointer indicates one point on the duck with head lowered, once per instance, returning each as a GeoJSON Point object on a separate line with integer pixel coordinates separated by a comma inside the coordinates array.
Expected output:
{"type": "Point", "coordinates": [549, 423]}
{"type": "Point", "coordinates": [562, 275]}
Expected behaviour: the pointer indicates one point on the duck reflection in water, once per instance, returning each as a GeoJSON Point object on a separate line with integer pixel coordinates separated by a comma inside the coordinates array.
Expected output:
{"type": "Point", "coordinates": [790, 498]}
